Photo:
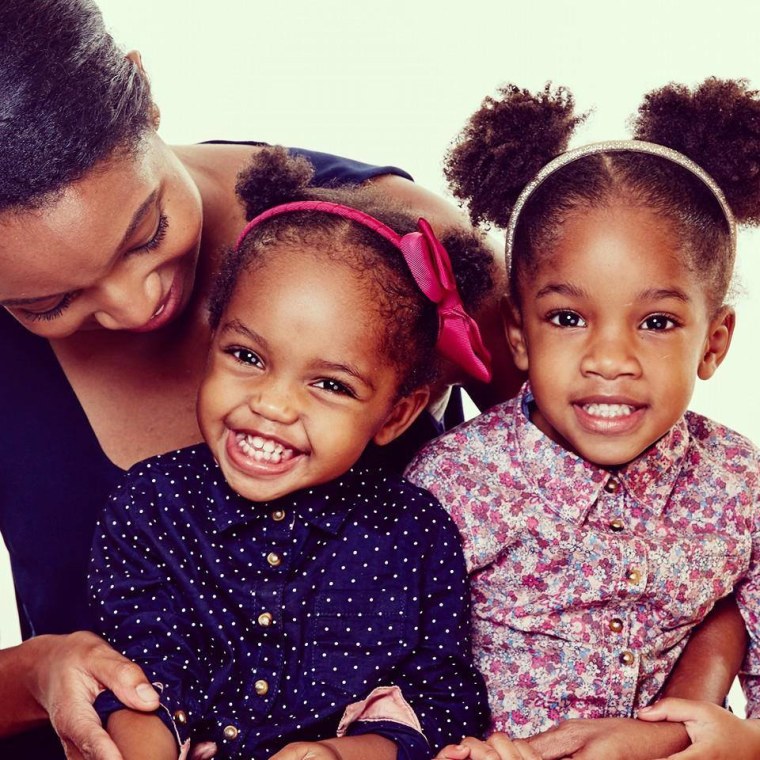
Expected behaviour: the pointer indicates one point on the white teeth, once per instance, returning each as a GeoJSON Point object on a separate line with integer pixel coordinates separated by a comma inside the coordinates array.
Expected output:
{"type": "Point", "coordinates": [608, 410]}
{"type": "Point", "coordinates": [264, 449]}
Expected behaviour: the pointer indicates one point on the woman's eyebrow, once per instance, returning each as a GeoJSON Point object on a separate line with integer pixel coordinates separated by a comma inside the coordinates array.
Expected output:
{"type": "Point", "coordinates": [138, 217]}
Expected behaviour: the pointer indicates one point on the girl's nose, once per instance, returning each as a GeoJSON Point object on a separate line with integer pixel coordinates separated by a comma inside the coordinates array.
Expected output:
{"type": "Point", "coordinates": [128, 300]}
{"type": "Point", "coordinates": [611, 356]}
{"type": "Point", "coordinates": [274, 400]}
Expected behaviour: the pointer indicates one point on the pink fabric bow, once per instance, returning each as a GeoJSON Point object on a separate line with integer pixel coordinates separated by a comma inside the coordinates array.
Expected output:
{"type": "Point", "coordinates": [459, 338]}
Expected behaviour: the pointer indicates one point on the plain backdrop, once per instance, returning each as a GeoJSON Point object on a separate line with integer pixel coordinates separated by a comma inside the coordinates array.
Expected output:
{"type": "Point", "coordinates": [392, 82]}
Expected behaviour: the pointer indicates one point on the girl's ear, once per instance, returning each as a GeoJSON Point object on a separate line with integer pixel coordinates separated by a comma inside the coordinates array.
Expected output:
{"type": "Point", "coordinates": [513, 329]}
{"type": "Point", "coordinates": [405, 411]}
{"type": "Point", "coordinates": [719, 336]}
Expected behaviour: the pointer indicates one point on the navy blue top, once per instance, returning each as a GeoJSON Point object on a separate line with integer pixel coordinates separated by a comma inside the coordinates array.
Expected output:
{"type": "Point", "coordinates": [273, 617]}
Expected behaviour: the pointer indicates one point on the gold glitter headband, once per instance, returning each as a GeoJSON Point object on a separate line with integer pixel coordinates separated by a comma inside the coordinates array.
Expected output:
{"type": "Point", "coordinates": [619, 146]}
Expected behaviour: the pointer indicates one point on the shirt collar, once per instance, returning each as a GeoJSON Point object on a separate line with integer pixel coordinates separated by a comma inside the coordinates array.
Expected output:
{"type": "Point", "coordinates": [325, 506]}
{"type": "Point", "coordinates": [571, 485]}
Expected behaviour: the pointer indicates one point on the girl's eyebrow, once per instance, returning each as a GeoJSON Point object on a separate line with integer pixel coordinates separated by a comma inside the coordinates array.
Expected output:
{"type": "Point", "coordinates": [661, 294]}
{"type": "Point", "coordinates": [134, 223]}
{"type": "Point", "coordinates": [563, 289]}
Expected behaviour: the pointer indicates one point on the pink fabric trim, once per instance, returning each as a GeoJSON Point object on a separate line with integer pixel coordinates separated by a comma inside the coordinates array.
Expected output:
{"type": "Point", "coordinates": [184, 749]}
{"type": "Point", "coordinates": [384, 703]}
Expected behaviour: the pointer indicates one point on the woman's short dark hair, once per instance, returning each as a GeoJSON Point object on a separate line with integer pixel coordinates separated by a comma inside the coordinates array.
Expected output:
{"type": "Point", "coordinates": [69, 98]}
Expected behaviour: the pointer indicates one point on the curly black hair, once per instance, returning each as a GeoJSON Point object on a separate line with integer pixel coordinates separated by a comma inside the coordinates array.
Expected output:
{"type": "Point", "coordinates": [69, 98]}
{"type": "Point", "coordinates": [409, 319]}
{"type": "Point", "coordinates": [717, 125]}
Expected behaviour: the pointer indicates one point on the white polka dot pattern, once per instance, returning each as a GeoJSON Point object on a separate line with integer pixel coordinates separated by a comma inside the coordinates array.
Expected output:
{"type": "Point", "coordinates": [264, 621]}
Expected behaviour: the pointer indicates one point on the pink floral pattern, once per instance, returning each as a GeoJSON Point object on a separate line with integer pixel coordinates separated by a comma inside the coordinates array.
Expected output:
{"type": "Point", "coordinates": [587, 582]}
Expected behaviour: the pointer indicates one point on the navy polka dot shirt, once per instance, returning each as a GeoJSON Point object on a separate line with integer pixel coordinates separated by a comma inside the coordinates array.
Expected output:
{"type": "Point", "coordinates": [263, 621]}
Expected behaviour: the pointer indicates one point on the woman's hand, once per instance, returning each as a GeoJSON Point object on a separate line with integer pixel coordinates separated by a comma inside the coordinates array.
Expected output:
{"type": "Point", "coordinates": [69, 672]}
{"type": "Point", "coordinates": [609, 739]}
{"type": "Point", "coordinates": [716, 734]}
{"type": "Point", "coordinates": [497, 747]}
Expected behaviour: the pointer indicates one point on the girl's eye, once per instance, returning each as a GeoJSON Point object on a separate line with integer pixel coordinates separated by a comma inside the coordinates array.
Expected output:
{"type": "Point", "coordinates": [334, 386]}
{"type": "Point", "coordinates": [658, 322]}
{"type": "Point", "coordinates": [567, 319]}
{"type": "Point", "coordinates": [54, 312]}
{"type": "Point", "coordinates": [158, 236]}
{"type": "Point", "coordinates": [245, 356]}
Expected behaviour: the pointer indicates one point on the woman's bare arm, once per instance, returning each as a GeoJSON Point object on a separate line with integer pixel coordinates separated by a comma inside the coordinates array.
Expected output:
{"type": "Point", "coordinates": [712, 658]}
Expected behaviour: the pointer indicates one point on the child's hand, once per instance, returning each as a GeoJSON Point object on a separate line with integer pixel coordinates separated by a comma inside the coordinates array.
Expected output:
{"type": "Point", "coordinates": [306, 751]}
{"type": "Point", "coordinates": [497, 747]}
{"type": "Point", "coordinates": [609, 739]}
{"type": "Point", "coordinates": [716, 733]}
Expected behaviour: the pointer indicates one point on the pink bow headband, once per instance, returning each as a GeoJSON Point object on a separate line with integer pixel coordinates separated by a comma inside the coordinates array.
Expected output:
{"type": "Point", "coordinates": [459, 338]}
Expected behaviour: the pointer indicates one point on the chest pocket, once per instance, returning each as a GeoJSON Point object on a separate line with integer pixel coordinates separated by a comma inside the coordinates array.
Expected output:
{"type": "Point", "coordinates": [357, 640]}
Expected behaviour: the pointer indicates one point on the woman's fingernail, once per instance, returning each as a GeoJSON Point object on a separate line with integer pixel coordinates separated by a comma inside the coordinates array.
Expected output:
{"type": "Point", "coordinates": [146, 692]}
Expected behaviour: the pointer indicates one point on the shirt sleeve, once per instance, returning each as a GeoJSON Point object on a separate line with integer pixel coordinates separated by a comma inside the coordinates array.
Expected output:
{"type": "Point", "coordinates": [748, 598]}
{"type": "Point", "coordinates": [330, 169]}
{"type": "Point", "coordinates": [135, 610]}
{"type": "Point", "coordinates": [439, 679]}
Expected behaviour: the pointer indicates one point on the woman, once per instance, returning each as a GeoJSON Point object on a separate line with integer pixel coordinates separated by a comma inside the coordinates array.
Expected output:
{"type": "Point", "coordinates": [108, 240]}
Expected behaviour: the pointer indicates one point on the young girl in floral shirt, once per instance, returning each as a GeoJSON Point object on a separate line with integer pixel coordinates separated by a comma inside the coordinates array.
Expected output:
{"type": "Point", "coordinates": [601, 521]}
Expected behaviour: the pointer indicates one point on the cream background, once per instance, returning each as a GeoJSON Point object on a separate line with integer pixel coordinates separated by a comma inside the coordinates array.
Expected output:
{"type": "Point", "coordinates": [393, 82]}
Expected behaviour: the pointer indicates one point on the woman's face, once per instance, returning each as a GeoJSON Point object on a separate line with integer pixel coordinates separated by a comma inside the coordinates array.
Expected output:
{"type": "Point", "coordinates": [116, 251]}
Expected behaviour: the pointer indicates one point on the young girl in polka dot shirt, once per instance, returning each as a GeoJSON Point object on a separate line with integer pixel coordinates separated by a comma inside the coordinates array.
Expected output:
{"type": "Point", "coordinates": [288, 597]}
{"type": "Point", "coordinates": [601, 520]}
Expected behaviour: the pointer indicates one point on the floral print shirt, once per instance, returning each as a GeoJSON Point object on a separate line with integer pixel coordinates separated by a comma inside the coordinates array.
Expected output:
{"type": "Point", "coordinates": [587, 581]}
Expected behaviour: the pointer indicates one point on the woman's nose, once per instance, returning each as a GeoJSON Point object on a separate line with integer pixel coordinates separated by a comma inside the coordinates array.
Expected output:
{"type": "Point", "coordinates": [127, 300]}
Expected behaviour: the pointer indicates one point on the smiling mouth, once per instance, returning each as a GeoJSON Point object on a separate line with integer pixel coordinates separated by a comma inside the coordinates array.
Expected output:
{"type": "Point", "coordinates": [608, 411]}
{"type": "Point", "coordinates": [263, 449]}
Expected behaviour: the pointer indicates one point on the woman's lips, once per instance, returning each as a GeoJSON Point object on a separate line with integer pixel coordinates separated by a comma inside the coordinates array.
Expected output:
{"type": "Point", "coordinates": [167, 309]}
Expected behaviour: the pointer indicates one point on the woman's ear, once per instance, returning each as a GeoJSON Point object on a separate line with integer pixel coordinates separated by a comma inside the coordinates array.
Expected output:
{"type": "Point", "coordinates": [718, 341]}
{"type": "Point", "coordinates": [513, 329]}
{"type": "Point", "coordinates": [136, 59]}
{"type": "Point", "coordinates": [405, 411]}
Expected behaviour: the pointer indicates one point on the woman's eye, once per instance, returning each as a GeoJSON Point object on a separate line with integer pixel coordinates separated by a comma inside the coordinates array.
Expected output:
{"type": "Point", "coordinates": [334, 386]}
{"type": "Point", "coordinates": [567, 319]}
{"type": "Point", "coordinates": [245, 356]}
{"type": "Point", "coordinates": [55, 311]}
{"type": "Point", "coordinates": [158, 236]}
{"type": "Point", "coordinates": [658, 322]}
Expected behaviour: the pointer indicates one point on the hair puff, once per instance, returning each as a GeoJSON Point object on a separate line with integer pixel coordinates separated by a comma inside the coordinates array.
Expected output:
{"type": "Point", "coordinates": [506, 141]}
{"type": "Point", "coordinates": [717, 124]}
{"type": "Point", "coordinates": [272, 178]}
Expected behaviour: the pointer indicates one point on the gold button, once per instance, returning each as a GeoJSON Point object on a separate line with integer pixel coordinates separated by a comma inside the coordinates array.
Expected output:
{"type": "Point", "coordinates": [616, 625]}
{"type": "Point", "coordinates": [261, 687]}
{"type": "Point", "coordinates": [265, 619]}
{"type": "Point", "coordinates": [230, 732]}
{"type": "Point", "coordinates": [634, 576]}
{"type": "Point", "coordinates": [180, 716]}
{"type": "Point", "coordinates": [274, 559]}
{"type": "Point", "coordinates": [278, 515]}
{"type": "Point", "coordinates": [627, 658]}
{"type": "Point", "coordinates": [617, 525]}
{"type": "Point", "coordinates": [611, 486]}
